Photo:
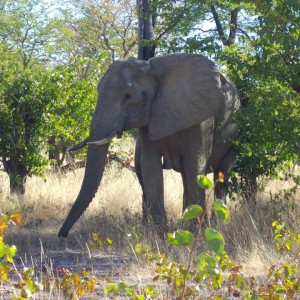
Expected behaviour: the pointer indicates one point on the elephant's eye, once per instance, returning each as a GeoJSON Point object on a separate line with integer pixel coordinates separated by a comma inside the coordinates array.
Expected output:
{"type": "Point", "coordinates": [127, 97]}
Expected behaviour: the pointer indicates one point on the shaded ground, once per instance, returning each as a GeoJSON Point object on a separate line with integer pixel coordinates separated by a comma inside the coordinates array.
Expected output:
{"type": "Point", "coordinates": [49, 256]}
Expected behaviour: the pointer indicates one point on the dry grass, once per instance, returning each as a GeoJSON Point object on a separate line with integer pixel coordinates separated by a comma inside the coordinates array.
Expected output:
{"type": "Point", "coordinates": [117, 208]}
{"type": "Point", "coordinates": [46, 202]}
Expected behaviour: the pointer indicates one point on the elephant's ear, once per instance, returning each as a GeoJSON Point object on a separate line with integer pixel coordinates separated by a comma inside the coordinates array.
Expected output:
{"type": "Point", "coordinates": [189, 92]}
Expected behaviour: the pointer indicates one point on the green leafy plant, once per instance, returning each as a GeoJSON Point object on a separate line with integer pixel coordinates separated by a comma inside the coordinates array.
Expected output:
{"type": "Point", "coordinates": [185, 280]}
{"type": "Point", "coordinates": [7, 252]}
{"type": "Point", "coordinates": [207, 273]}
{"type": "Point", "coordinates": [75, 285]}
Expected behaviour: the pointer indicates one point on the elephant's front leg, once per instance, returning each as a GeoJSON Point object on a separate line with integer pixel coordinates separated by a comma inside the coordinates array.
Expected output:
{"type": "Point", "coordinates": [152, 184]}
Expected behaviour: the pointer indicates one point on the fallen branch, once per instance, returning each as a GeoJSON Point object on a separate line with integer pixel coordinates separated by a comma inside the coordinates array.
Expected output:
{"type": "Point", "coordinates": [124, 162]}
{"type": "Point", "coordinates": [112, 156]}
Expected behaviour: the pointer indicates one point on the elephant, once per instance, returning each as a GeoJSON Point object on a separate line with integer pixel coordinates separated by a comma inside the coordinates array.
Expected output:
{"type": "Point", "coordinates": [182, 106]}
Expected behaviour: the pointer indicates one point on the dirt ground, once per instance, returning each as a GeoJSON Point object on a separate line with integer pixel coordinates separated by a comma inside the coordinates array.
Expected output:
{"type": "Point", "coordinates": [49, 256]}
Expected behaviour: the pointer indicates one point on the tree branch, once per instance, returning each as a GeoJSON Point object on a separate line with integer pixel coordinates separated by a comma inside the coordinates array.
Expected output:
{"type": "Point", "coordinates": [233, 26]}
{"type": "Point", "coordinates": [218, 25]}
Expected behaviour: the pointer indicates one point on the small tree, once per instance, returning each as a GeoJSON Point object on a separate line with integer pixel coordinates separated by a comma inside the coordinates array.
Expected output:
{"type": "Point", "coordinates": [69, 115]}
{"type": "Point", "coordinates": [23, 99]}
{"type": "Point", "coordinates": [99, 30]}
{"type": "Point", "coordinates": [25, 87]}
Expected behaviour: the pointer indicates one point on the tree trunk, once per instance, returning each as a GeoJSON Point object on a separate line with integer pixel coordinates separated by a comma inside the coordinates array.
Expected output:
{"type": "Point", "coordinates": [146, 23]}
{"type": "Point", "coordinates": [17, 177]}
{"type": "Point", "coordinates": [56, 152]}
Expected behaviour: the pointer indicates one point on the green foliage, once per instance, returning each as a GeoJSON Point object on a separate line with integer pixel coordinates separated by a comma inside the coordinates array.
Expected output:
{"type": "Point", "coordinates": [180, 238]}
{"type": "Point", "coordinates": [26, 27]}
{"type": "Point", "coordinates": [70, 112]}
{"type": "Point", "coordinates": [46, 101]}
{"type": "Point", "coordinates": [7, 252]}
{"type": "Point", "coordinates": [259, 50]}
{"type": "Point", "coordinates": [203, 276]}
{"type": "Point", "coordinates": [24, 98]}
{"type": "Point", "coordinates": [98, 242]}
{"type": "Point", "coordinates": [214, 240]}
{"type": "Point", "coordinates": [204, 182]}
{"type": "Point", "coordinates": [264, 64]}
{"type": "Point", "coordinates": [75, 285]}
{"type": "Point", "coordinates": [27, 286]}
{"type": "Point", "coordinates": [192, 212]}
{"type": "Point", "coordinates": [91, 29]}
{"type": "Point", "coordinates": [221, 210]}
{"type": "Point", "coordinates": [269, 124]}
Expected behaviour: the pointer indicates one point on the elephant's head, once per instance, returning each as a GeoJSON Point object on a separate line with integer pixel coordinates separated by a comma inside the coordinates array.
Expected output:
{"type": "Point", "coordinates": [125, 94]}
{"type": "Point", "coordinates": [168, 93]}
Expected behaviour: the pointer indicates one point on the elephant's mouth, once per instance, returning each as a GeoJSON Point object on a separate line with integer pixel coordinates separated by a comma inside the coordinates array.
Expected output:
{"type": "Point", "coordinates": [107, 139]}
{"type": "Point", "coordinates": [119, 134]}
{"type": "Point", "coordinates": [116, 132]}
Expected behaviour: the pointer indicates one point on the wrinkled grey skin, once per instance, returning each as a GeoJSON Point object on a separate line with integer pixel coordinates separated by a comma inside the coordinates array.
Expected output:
{"type": "Point", "coordinates": [181, 105]}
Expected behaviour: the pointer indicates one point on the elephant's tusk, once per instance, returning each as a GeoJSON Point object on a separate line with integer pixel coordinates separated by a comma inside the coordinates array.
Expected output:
{"type": "Point", "coordinates": [103, 141]}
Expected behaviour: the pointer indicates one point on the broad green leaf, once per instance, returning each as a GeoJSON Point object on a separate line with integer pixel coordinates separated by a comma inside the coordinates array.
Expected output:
{"type": "Point", "coordinates": [180, 238]}
{"type": "Point", "coordinates": [122, 286]}
{"type": "Point", "coordinates": [108, 241]}
{"type": "Point", "coordinates": [136, 233]}
{"type": "Point", "coordinates": [221, 211]}
{"type": "Point", "coordinates": [76, 278]}
{"type": "Point", "coordinates": [111, 288]}
{"type": "Point", "coordinates": [215, 240]}
{"type": "Point", "coordinates": [138, 297]}
{"type": "Point", "coordinates": [217, 282]}
{"type": "Point", "coordinates": [130, 289]}
{"type": "Point", "coordinates": [115, 287]}
{"type": "Point", "coordinates": [32, 286]}
{"type": "Point", "coordinates": [204, 182]}
{"type": "Point", "coordinates": [207, 263]}
{"type": "Point", "coordinates": [138, 248]}
{"type": "Point", "coordinates": [4, 270]}
{"type": "Point", "coordinates": [192, 212]}
{"type": "Point", "coordinates": [297, 238]}
{"type": "Point", "coordinates": [240, 282]}
{"type": "Point", "coordinates": [149, 289]}
{"type": "Point", "coordinates": [3, 250]}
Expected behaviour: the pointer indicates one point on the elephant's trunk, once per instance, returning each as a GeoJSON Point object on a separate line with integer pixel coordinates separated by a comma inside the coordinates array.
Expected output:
{"type": "Point", "coordinates": [96, 160]}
